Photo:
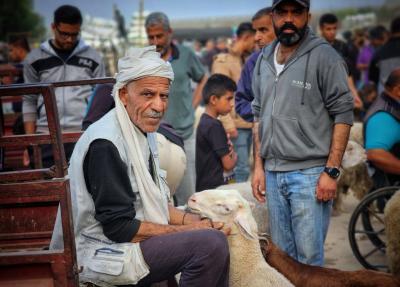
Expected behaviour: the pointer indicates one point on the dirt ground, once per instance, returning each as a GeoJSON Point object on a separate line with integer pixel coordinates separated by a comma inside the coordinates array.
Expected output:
{"type": "Point", "coordinates": [338, 253]}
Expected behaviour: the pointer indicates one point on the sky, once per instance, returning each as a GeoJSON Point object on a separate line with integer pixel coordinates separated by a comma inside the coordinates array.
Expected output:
{"type": "Point", "coordinates": [184, 9]}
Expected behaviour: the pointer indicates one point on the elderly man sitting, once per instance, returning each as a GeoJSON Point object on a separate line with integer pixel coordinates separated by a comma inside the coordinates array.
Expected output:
{"type": "Point", "coordinates": [126, 232]}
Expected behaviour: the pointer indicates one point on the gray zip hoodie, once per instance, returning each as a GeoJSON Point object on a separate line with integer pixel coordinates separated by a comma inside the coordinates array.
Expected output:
{"type": "Point", "coordinates": [44, 65]}
{"type": "Point", "coordinates": [297, 109]}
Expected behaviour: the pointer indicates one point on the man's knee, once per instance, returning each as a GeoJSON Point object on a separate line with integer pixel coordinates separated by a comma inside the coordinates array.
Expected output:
{"type": "Point", "coordinates": [214, 243]}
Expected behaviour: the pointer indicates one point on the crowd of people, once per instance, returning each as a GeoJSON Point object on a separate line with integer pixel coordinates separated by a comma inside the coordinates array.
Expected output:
{"type": "Point", "coordinates": [278, 87]}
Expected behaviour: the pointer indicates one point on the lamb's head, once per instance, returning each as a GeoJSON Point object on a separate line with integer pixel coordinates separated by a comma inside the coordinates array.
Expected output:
{"type": "Point", "coordinates": [226, 206]}
{"type": "Point", "coordinates": [354, 155]}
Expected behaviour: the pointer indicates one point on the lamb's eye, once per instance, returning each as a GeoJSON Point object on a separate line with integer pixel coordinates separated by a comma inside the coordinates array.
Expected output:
{"type": "Point", "coordinates": [223, 206]}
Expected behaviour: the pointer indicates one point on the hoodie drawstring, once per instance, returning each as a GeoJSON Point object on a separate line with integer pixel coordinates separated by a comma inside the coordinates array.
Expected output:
{"type": "Point", "coordinates": [259, 64]}
{"type": "Point", "coordinates": [305, 78]}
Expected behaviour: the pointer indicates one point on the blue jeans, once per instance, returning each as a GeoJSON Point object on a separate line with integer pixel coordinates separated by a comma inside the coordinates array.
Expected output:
{"type": "Point", "coordinates": [298, 221]}
{"type": "Point", "coordinates": [242, 145]}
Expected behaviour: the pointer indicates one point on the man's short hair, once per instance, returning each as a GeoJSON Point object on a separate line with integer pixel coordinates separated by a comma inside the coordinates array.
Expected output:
{"type": "Point", "coordinates": [157, 18]}
{"type": "Point", "coordinates": [261, 13]}
{"type": "Point", "coordinates": [395, 26]}
{"type": "Point", "coordinates": [19, 41]}
{"type": "Point", "coordinates": [67, 14]}
{"type": "Point", "coordinates": [244, 27]}
{"type": "Point", "coordinates": [328, 18]}
{"type": "Point", "coordinates": [377, 32]}
{"type": "Point", "coordinates": [217, 85]}
{"type": "Point", "coordinates": [393, 79]}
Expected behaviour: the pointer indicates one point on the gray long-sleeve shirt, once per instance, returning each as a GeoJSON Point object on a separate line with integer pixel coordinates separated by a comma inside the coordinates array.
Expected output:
{"type": "Point", "coordinates": [298, 108]}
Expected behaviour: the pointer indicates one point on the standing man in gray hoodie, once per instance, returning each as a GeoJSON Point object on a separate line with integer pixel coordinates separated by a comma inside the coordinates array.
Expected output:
{"type": "Point", "coordinates": [304, 110]}
{"type": "Point", "coordinates": [66, 57]}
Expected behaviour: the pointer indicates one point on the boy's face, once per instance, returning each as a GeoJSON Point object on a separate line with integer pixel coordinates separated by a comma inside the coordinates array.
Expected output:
{"type": "Point", "coordinates": [328, 31]}
{"type": "Point", "coordinates": [225, 103]}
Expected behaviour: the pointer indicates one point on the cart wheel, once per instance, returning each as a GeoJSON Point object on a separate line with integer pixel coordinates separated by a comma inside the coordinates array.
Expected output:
{"type": "Point", "coordinates": [367, 222]}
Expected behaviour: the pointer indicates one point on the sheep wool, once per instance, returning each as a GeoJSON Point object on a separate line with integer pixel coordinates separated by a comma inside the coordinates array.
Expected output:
{"type": "Point", "coordinates": [354, 174]}
{"type": "Point", "coordinates": [392, 228]}
{"type": "Point", "coordinates": [248, 266]}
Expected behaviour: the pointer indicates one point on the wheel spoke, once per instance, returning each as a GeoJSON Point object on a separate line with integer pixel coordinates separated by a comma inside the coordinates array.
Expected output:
{"type": "Point", "coordinates": [370, 232]}
{"type": "Point", "coordinates": [382, 231]}
{"type": "Point", "coordinates": [371, 252]}
{"type": "Point", "coordinates": [374, 214]}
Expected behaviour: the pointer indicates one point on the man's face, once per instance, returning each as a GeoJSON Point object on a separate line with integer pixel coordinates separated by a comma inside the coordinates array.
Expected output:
{"type": "Point", "coordinates": [15, 53]}
{"type": "Point", "coordinates": [248, 42]}
{"type": "Point", "coordinates": [146, 101]}
{"type": "Point", "coordinates": [290, 23]}
{"type": "Point", "coordinates": [66, 35]}
{"type": "Point", "coordinates": [395, 92]}
{"type": "Point", "coordinates": [264, 31]}
{"type": "Point", "coordinates": [328, 31]}
{"type": "Point", "coordinates": [221, 45]}
{"type": "Point", "coordinates": [158, 36]}
{"type": "Point", "coordinates": [376, 43]}
{"type": "Point", "coordinates": [210, 45]}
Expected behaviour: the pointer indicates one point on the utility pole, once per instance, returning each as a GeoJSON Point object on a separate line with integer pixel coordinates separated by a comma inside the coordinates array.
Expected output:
{"type": "Point", "coordinates": [141, 20]}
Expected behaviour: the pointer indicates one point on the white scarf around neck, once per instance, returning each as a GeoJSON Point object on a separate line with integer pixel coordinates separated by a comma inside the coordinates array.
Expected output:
{"type": "Point", "coordinates": [139, 63]}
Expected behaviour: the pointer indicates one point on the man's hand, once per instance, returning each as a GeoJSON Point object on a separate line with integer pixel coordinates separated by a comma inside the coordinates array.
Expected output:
{"type": "Point", "coordinates": [233, 133]}
{"type": "Point", "coordinates": [30, 127]}
{"type": "Point", "coordinates": [258, 185]}
{"type": "Point", "coordinates": [25, 158]}
{"type": "Point", "coordinates": [208, 223]}
{"type": "Point", "coordinates": [326, 188]}
{"type": "Point", "coordinates": [230, 144]}
{"type": "Point", "coordinates": [358, 104]}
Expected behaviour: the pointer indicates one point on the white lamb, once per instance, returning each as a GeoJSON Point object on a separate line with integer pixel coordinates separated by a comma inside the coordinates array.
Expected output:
{"type": "Point", "coordinates": [247, 264]}
{"type": "Point", "coordinates": [259, 210]}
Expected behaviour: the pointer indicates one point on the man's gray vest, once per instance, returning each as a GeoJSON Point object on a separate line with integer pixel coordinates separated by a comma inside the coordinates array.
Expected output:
{"type": "Point", "coordinates": [386, 104]}
{"type": "Point", "coordinates": [105, 263]}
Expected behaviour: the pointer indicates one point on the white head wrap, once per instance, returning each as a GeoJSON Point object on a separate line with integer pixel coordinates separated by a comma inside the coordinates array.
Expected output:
{"type": "Point", "coordinates": [139, 63]}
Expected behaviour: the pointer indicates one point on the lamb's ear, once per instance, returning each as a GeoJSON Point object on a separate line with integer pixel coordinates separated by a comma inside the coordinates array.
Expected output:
{"type": "Point", "coordinates": [246, 223]}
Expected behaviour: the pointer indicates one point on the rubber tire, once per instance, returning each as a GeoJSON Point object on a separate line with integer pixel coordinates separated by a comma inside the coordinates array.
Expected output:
{"type": "Point", "coordinates": [361, 209]}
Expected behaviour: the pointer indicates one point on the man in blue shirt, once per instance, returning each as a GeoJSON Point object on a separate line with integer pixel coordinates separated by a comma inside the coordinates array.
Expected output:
{"type": "Point", "coordinates": [265, 34]}
{"type": "Point", "coordinates": [382, 128]}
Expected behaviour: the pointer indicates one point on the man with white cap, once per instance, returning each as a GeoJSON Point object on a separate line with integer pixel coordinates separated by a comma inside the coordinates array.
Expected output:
{"type": "Point", "coordinates": [126, 231]}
